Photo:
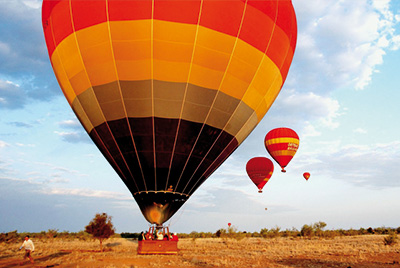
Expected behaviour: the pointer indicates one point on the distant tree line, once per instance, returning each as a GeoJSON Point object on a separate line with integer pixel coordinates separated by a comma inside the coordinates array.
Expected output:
{"type": "Point", "coordinates": [308, 231]}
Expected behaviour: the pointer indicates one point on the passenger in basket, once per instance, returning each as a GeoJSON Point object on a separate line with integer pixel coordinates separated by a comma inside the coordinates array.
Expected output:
{"type": "Point", "coordinates": [141, 237]}
{"type": "Point", "coordinates": [160, 236]}
{"type": "Point", "coordinates": [174, 237]}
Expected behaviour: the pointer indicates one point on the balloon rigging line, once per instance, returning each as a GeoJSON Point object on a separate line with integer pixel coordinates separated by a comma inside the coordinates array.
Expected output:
{"type": "Point", "coordinates": [184, 97]}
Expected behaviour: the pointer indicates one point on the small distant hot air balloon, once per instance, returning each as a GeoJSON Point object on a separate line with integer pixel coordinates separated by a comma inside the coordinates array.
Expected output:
{"type": "Point", "coordinates": [229, 224]}
{"type": "Point", "coordinates": [282, 144]}
{"type": "Point", "coordinates": [306, 175]}
{"type": "Point", "coordinates": [260, 170]}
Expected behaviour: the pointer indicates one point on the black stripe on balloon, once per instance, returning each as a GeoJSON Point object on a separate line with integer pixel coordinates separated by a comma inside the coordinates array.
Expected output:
{"type": "Point", "coordinates": [165, 131]}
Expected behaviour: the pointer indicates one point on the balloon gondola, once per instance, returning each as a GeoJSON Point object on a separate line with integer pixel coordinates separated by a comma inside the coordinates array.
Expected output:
{"type": "Point", "coordinates": [168, 89]}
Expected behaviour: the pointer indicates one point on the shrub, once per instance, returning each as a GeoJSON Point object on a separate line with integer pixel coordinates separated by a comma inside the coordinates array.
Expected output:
{"type": "Point", "coordinates": [51, 233]}
{"type": "Point", "coordinates": [390, 239]}
{"type": "Point", "coordinates": [307, 231]}
{"type": "Point", "coordinates": [10, 237]}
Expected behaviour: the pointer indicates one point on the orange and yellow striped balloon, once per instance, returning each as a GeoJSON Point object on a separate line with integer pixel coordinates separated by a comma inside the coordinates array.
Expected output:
{"type": "Point", "coordinates": [282, 144]}
{"type": "Point", "coordinates": [168, 89]}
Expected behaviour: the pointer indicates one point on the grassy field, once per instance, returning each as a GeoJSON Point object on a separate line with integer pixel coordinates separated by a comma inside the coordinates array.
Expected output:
{"type": "Point", "coordinates": [352, 251]}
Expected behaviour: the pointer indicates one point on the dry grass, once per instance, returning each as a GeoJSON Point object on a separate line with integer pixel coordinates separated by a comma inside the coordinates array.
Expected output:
{"type": "Point", "coordinates": [356, 251]}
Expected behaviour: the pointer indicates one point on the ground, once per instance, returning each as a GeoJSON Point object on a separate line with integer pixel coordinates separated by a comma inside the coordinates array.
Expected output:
{"type": "Point", "coordinates": [367, 251]}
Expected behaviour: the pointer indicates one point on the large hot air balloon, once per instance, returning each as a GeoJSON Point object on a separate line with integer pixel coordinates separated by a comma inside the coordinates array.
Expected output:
{"type": "Point", "coordinates": [168, 89]}
{"type": "Point", "coordinates": [260, 170]}
{"type": "Point", "coordinates": [306, 175]}
{"type": "Point", "coordinates": [282, 144]}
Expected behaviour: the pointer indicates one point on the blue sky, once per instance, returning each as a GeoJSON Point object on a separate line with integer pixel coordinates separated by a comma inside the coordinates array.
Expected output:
{"type": "Point", "coordinates": [341, 96]}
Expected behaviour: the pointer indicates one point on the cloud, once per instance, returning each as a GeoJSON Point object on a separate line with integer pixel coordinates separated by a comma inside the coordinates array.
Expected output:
{"type": "Point", "coordinates": [3, 144]}
{"type": "Point", "coordinates": [374, 165]}
{"type": "Point", "coordinates": [20, 124]}
{"type": "Point", "coordinates": [33, 3]}
{"type": "Point", "coordinates": [341, 43]}
{"type": "Point", "coordinates": [310, 131]}
{"type": "Point", "coordinates": [24, 145]}
{"type": "Point", "coordinates": [360, 131]}
{"type": "Point", "coordinates": [11, 95]}
{"type": "Point", "coordinates": [23, 56]}
{"type": "Point", "coordinates": [74, 136]}
{"type": "Point", "coordinates": [311, 106]}
{"type": "Point", "coordinates": [86, 193]}
{"type": "Point", "coordinates": [71, 123]}
{"type": "Point", "coordinates": [77, 136]}
{"type": "Point", "coordinates": [70, 210]}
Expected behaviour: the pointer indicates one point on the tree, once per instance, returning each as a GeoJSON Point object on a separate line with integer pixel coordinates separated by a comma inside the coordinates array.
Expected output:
{"type": "Point", "coordinates": [100, 227]}
{"type": "Point", "coordinates": [307, 231]}
{"type": "Point", "coordinates": [318, 228]}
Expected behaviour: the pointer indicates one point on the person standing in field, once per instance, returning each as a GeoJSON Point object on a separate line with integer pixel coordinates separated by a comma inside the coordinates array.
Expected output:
{"type": "Point", "coordinates": [29, 248]}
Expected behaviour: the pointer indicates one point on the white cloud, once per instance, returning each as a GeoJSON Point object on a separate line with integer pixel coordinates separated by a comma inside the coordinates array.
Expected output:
{"type": "Point", "coordinates": [25, 145]}
{"type": "Point", "coordinates": [396, 42]}
{"type": "Point", "coordinates": [11, 95]}
{"type": "Point", "coordinates": [322, 109]}
{"type": "Point", "coordinates": [202, 199]}
{"type": "Point", "coordinates": [360, 131]}
{"type": "Point", "coordinates": [35, 4]}
{"type": "Point", "coordinates": [341, 43]}
{"type": "Point", "coordinates": [374, 165]}
{"type": "Point", "coordinates": [86, 193]}
{"type": "Point", "coordinates": [73, 136]}
{"type": "Point", "coordinates": [23, 55]}
{"type": "Point", "coordinates": [71, 123]}
{"type": "Point", "coordinates": [310, 131]}
{"type": "Point", "coordinates": [3, 144]}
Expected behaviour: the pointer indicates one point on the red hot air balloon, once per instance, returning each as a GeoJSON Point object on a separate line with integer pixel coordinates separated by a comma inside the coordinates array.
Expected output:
{"type": "Point", "coordinates": [168, 89]}
{"type": "Point", "coordinates": [229, 224]}
{"type": "Point", "coordinates": [282, 144]}
{"type": "Point", "coordinates": [260, 170]}
{"type": "Point", "coordinates": [306, 175]}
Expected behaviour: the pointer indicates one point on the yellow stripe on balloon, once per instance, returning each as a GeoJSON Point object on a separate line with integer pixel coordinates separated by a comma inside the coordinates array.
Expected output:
{"type": "Point", "coordinates": [282, 140]}
{"type": "Point", "coordinates": [63, 78]}
{"type": "Point", "coordinates": [284, 153]}
{"type": "Point", "coordinates": [130, 30]}
{"type": "Point", "coordinates": [134, 70]}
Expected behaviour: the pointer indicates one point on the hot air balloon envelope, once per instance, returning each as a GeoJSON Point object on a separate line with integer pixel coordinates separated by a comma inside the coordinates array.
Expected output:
{"type": "Point", "coordinates": [168, 89]}
{"type": "Point", "coordinates": [306, 175]}
{"type": "Point", "coordinates": [282, 144]}
{"type": "Point", "coordinates": [260, 170]}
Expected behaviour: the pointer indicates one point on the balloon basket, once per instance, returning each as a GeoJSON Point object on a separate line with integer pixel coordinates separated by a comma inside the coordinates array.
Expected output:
{"type": "Point", "coordinates": [162, 246]}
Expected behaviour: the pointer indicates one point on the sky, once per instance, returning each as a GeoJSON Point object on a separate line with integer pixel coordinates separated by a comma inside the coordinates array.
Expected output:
{"type": "Point", "coordinates": [341, 96]}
